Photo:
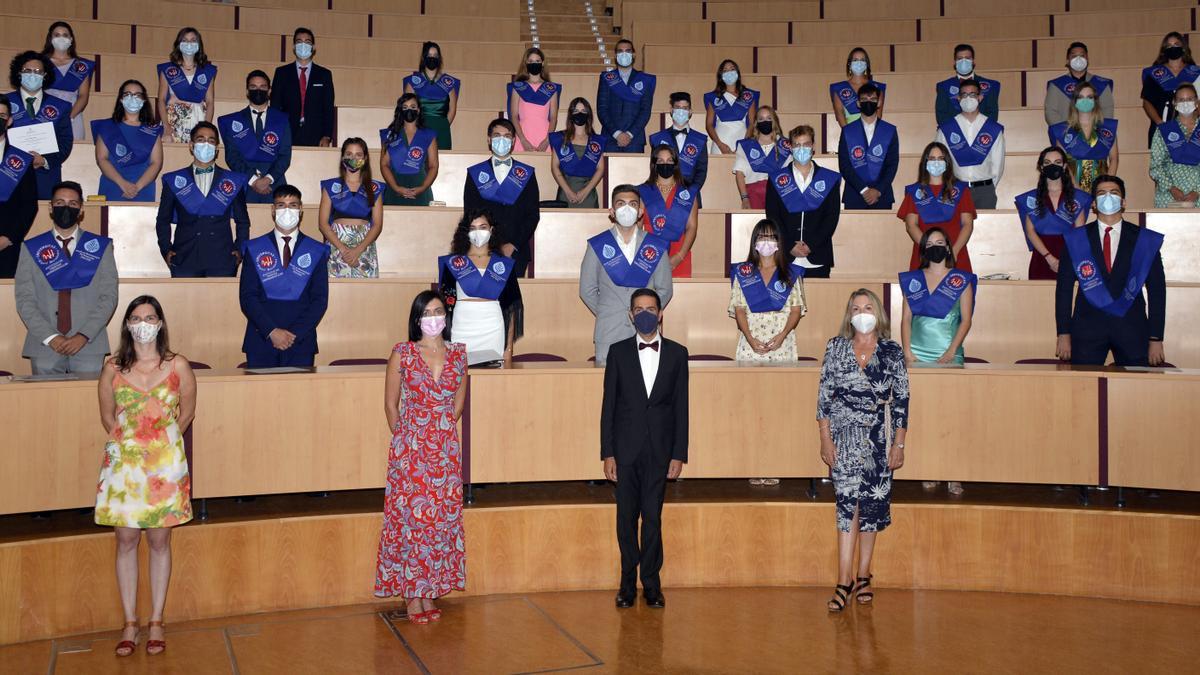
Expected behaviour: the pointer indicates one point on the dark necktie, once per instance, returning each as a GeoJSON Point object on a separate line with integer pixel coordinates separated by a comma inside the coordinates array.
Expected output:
{"type": "Point", "coordinates": [303, 88]}
{"type": "Point", "coordinates": [258, 122]}
{"type": "Point", "coordinates": [64, 297]}
{"type": "Point", "coordinates": [29, 106]}
{"type": "Point", "coordinates": [287, 251]}
{"type": "Point", "coordinates": [648, 345]}
{"type": "Point", "coordinates": [1108, 261]}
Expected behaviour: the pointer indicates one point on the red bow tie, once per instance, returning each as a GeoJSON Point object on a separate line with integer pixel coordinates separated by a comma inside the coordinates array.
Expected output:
{"type": "Point", "coordinates": [648, 345]}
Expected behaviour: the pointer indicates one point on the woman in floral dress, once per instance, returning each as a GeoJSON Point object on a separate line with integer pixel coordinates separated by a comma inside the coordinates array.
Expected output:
{"type": "Point", "coordinates": [422, 554]}
{"type": "Point", "coordinates": [351, 215]}
{"type": "Point", "coordinates": [147, 398]}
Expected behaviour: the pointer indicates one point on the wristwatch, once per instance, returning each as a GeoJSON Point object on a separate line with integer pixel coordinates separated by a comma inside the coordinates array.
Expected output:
{"type": "Point", "coordinates": [900, 445]}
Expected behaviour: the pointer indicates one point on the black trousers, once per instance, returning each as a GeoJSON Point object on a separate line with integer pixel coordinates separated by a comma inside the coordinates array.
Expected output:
{"type": "Point", "coordinates": [821, 272]}
{"type": "Point", "coordinates": [641, 487]}
{"type": "Point", "coordinates": [1128, 342]}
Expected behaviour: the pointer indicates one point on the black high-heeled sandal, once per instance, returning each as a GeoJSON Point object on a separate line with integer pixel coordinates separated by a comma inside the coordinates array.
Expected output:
{"type": "Point", "coordinates": [841, 594]}
{"type": "Point", "coordinates": [862, 592]}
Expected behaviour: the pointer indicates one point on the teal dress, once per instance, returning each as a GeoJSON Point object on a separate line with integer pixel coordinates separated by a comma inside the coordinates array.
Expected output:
{"type": "Point", "coordinates": [435, 111]}
{"type": "Point", "coordinates": [931, 337]}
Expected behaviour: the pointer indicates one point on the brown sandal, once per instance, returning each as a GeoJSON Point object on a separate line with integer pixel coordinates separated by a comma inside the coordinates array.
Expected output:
{"type": "Point", "coordinates": [155, 647]}
{"type": "Point", "coordinates": [127, 647]}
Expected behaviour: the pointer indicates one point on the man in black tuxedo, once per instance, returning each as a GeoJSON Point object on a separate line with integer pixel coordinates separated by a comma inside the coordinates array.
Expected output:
{"type": "Point", "coordinates": [304, 91]}
{"type": "Point", "coordinates": [1112, 260]}
{"type": "Point", "coordinates": [643, 440]}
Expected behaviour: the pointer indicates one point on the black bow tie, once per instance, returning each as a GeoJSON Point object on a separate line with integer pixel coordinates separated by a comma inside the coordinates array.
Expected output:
{"type": "Point", "coordinates": [680, 131]}
{"type": "Point", "coordinates": [648, 345]}
{"type": "Point", "coordinates": [200, 171]}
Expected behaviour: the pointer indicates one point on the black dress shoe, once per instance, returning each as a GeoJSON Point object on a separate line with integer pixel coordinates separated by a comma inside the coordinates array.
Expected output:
{"type": "Point", "coordinates": [625, 600]}
{"type": "Point", "coordinates": [655, 599]}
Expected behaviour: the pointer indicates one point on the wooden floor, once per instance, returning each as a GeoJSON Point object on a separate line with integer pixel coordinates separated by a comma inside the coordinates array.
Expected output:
{"type": "Point", "coordinates": [740, 630]}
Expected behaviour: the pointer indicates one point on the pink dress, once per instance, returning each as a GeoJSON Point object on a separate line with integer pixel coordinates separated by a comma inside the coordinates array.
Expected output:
{"type": "Point", "coordinates": [535, 121]}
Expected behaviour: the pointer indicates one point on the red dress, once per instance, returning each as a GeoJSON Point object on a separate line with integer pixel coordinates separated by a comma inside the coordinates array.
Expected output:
{"type": "Point", "coordinates": [422, 553]}
{"type": "Point", "coordinates": [952, 227]}
{"type": "Point", "coordinates": [684, 270]}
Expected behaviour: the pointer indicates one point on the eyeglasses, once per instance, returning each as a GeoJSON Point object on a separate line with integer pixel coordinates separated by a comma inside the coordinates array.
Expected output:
{"type": "Point", "coordinates": [32, 71]}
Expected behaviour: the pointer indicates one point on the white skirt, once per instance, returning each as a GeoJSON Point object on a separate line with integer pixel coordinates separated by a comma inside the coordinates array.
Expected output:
{"type": "Point", "coordinates": [729, 133]}
{"type": "Point", "coordinates": [480, 326]}
{"type": "Point", "coordinates": [76, 121]}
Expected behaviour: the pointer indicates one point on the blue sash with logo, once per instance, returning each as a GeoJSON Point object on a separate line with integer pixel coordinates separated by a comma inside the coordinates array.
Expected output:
{"type": "Point", "coordinates": [867, 158]}
{"type": "Point", "coordinates": [62, 272]}
{"type": "Point", "coordinates": [1076, 144]}
{"type": "Point", "coordinates": [77, 73]}
{"type": "Point", "coordinates": [769, 297]}
{"type": "Point", "coordinates": [824, 182]}
{"type": "Point", "coordinates": [53, 109]}
{"type": "Point", "coordinates": [1091, 281]}
{"type": "Point", "coordinates": [505, 193]}
{"type": "Point", "coordinates": [279, 282]}
{"type": "Point", "coordinates": [1183, 150]}
{"type": "Point", "coordinates": [194, 91]}
{"type": "Point", "coordinates": [572, 164]}
{"type": "Point", "coordinates": [975, 153]}
{"type": "Point", "coordinates": [950, 89]}
{"type": "Point", "coordinates": [671, 223]}
{"type": "Point", "coordinates": [636, 275]}
{"type": "Point", "coordinates": [16, 163]}
{"type": "Point", "coordinates": [766, 162]}
{"type": "Point", "coordinates": [404, 158]}
{"type": "Point", "coordinates": [1046, 222]}
{"type": "Point", "coordinates": [238, 129]}
{"type": "Point", "coordinates": [639, 85]}
{"type": "Point", "coordinates": [540, 96]}
{"type": "Point", "coordinates": [128, 146]}
{"type": "Point", "coordinates": [437, 89]}
{"type": "Point", "coordinates": [693, 147]}
{"type": "Point", "coordinates": [486, 285]}
{"type": "Point", "coordinates": [930, 207]}
{"type": "Point", "coordinates": [935, 304]}
{"type": "Point", "coordinates": [847, 94]}
{"type": "Point", "coordinates": [1067, 84]}
{"type": "Point", "coordinates": [347, 204]}
{"type": "Point", "coordinates": [225, 188]}
{"type": "Point", "coordinates": [732, 112]}
{"type": "Point", "coordinates": [1161, 75]}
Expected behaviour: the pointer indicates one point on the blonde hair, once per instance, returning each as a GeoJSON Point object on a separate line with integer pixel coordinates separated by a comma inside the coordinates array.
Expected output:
{"type": "Point", "coordinates": [752, 132]}
{"type": "Point", "coordinates": [883, 327]}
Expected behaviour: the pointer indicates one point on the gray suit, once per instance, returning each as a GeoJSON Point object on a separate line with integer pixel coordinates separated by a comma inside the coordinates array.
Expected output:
{"type": "Point", "coordinates": [92, 308]}
{"type": "Point", "coordinates": [610, 302]}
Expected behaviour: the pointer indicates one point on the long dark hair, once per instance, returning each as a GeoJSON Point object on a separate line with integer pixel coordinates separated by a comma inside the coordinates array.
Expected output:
{"type": "Point", "coordinates": [923, 173]}
{"type": "Point", "coordinates": [418, 309]}
{"type": "Point", "coordinates": [1162, 49]}
{"type": "Point", "coordinates": [719, 90]}
{"type": "Point", "coordinates": [364, 173]}
{"type": "Point", "coordinates": [866, 57]}
{"type": "Point", "coordinates": [176, 57]}
{"type": "Point", "coordinates": [1043, 192]}
{"type": "Point", "coordinates": [146, 116]}
{"type": "Point", "coordinates": [425, 47]}
{"type": "Point", "coordinates": [125, 357]}
{"type": "Point", "coordinates": [925, 242]}
{"type": "Point", "coordinates": [48, 48]}
{"type": "Point", "coordinates": [670, 147]}
{"type": "Point", "coordinates": [460, 243]}
{"type": "Point", "coordinates": [591, 120]}
{"type": "Point", "coordinates": [768, 226]}
{"type": "Point", "coordinates": [397, 126]}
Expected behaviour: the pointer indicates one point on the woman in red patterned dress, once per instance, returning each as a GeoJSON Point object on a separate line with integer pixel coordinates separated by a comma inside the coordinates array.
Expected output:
{"type": "Point", "coordinates": [421, 550]}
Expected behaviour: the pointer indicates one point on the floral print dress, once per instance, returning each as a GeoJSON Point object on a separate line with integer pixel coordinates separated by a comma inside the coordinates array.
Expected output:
{"type": "Point", "coordinates": [144, 481]}
{"type": "Point", "coordinates": [864, 407]}
{"type": "Point", "coordinates": [422, 553]}
{"type": "Point", "coordinates": [766, 325]}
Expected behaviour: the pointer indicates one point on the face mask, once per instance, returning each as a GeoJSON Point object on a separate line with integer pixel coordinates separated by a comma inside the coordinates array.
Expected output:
{"type": "Point", "coordinates": [680, 116]}
{"type": "Point", "coordinates": [1185, 107]}
{"type": "Point", "coordinates": [144, 333]}
{"type": "Point", "coordinates": [627, 216]}
{"type": "Point", "coordinates": [766, 248]}
{"type": "Point", "coordinates": [868, 108]}
{"type": "Point", "coordinates": [935, 167]}
{"type": "Point", "coordinates": [858, 66]}
{"type": "Point", "coordinates": [433, 325]}
{"type": "Point", "coordinates": [729, 77]}
{"type": "Point", "coordinates": [352, 164]}
{"type": "Point", "coordinates": [287, 219]}
{"type": "Point", "coordinates": [258, 96]}
{"type": "Point", "coordinates": [1174, 52]}
{"type": "Point", "coordinates": [665, 170]}
{"type": "Point", "coordinates": [579, 118]}
{"type": "Point", "coordinates": [431, 62]}
{"type": "Point", "coordinates": [132, 104]}
{"type": "Point", "coordinates": [64, 217]}
{"type": "Point", "coordinates": [964, 67]}
{"type": "Point", "coordinates": [765, 127]}
{"type": "Point", "coordinates": [1085, 105]}
{"type": "Point", "coordinates": [936, 253]}
{"type": "Point", "coordinates": [645, 322]}
{"type": "Point", "coordinates": [32, 81]}
{"type": "Point", "coordinates": [204, 152]}
{"type": "Point", "coordinates": [1079, 64]}
{"type": "Point", "coordinates": [479, 238]}
{"type": "Point", "coordinates": [61, 43]}
{"type": "Point", "coordinates": [1109, 204]}
{"type": "Point", "coordinates": [1053, 171]}
{"type": "Point", "coordinates": [534, 68]}
{"type": "Point", "coordinates": [501, 146]}
{"type": "Point", "coordinates": [863, 323]}
{"type": "Point", "coordinates": [802, 154]}
{"type": "Point", "coordinates": [303, 51]}
{"type": "Point", "coordinates": [189, 48]}
{"type": "Point", "coordinates": [624, 59]}
{"type": "Point", "coordinates": [409, 115]}
{"type": "Point", "coordinates": [969, 105]}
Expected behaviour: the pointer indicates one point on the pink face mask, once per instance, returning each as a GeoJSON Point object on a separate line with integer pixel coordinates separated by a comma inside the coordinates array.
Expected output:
{"type": "Point", "coordinates": [766, 248]}
{"type": "Point", "coordinates": [433, 325]}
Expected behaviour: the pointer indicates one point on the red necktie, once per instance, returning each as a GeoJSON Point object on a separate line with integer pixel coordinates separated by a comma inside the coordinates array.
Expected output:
{"type": "Point", "coordinates": [64, 297]}
{"type": "Point", "coordinates": [303, 88]}
{"type": "Point", "coordinates": [287, 251]}
{"type": "Point", "coordinates": [1107, 249]}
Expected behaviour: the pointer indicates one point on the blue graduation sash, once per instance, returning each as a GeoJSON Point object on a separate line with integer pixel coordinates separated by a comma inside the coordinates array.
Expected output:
{"type": "Point", "coordinates": [1183, 150]}
{"type": "Point", "coordinates": [279, 282]}
{"type": "Point", "coordinates": [437, 89]}
{"type": "Point", "coordinates": [62, 272]}
{"type": "Point", "coordinates": [766, 162]}
{"type": "Point", "coordinates": [669, 224]}
{"type": "Point", "coordinates": [405, 159]}
{"type": "Point", "coordinates": [194, 91]}
{"type": "Point", "coordinates": [347, 204]}
{"type": "Point", "coordinates": [639, 84]}
{"type": "Point", "coordinates": [1047, 223]}
{"type": "Point", "coordinates": [1067, 84]}
{"type": "Point", "coordinates": [950, 89]}
{"type": "Point", "coordinates": [824, 181]}
{"type": "Point", "coordinates": [238, 128]}
{"type": "Point", "coordinates": [695, 145]}
{"type": "Point", "coordinates": [975, 153]}
{"type": "Point", "coordinates": [505, 193]}
{"type": "Point", "coordinates": [16, 162]}
{"type": "Point", "coordinates": [1077, 146]}
{"type": "Point", "coordinates": [128, 146]}
{"type": "Point", "coordinates": [541, 96]}
{"type": "Point", "coordinates": [930, 207]}
{"type": "Point", "coordinates": [77, 73]}
{"type": "Point", "coordinates": [574, 165]}
{"type": "Point", "coordinates": [1091, 281]}
{"type": "Point", "coordinates": [849, 96]}
{"type": "Point", "coordinates": [867, 159]}
{"type": "Point", "coordinates": [225, 188]}
{"type": "Point", "coordinates": [762, 297]}
{"type": "Point", "coordinates": [732, 112]}
{"type": "Point", "coordinates": [487, 285]}
{"type": "Point", "coordinates": [1161, 75]}
{"type": "Point", "coordinates": [935, 304]}
{"type": "Point", "coordinates": [53, 109]}
{"type": "Point", "coordinates": [649, 254]}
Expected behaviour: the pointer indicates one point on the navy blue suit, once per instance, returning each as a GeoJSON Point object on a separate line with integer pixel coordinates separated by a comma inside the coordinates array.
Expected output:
{"type": "Point", "coordinates": [855, 184]}
{"type": "Point", "coordinates": [274, 168]}
{"type": "Point", "coordinates": [300, 316]}
{"type": "Point", "coordinates": [203, 245]}
{"type": "Point", "coordinates": [617, 114]}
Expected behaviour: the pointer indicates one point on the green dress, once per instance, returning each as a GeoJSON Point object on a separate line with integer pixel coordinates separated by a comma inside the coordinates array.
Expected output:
{"type": "Point", "coordinates": [1168, 174]}
{"type": "Point", "coordinates": [390, 198]}
{"type": "Point", "coordinates": [931, 337]}
{"type": "Point", "coordinates": [435, 111]}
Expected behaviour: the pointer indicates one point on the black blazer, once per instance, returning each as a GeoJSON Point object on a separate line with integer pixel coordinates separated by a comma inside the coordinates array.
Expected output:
{"type": "Point", "coordinates": [16, 217]}
{"type": "Point", "coordinates": [1086, 317]}
{"type": "Point", "coordinates": [818, 225]}
{"type": "Point", "coordinates": [631, 422]}
{"type": "Point", "coordinates": [319, 112]}
{"type": "Point", "coordinates": [515, 223]}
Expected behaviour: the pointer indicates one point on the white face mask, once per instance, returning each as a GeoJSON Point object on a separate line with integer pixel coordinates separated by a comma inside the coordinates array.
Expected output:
{"type": "Point", "coordinates": [479, 238]}
{"type": "Point", "coordinates": [1079, 64]}
{"type": "Point", "coordinates": [864, 322]}
{"type": "Point", "coordinates": [62, 43]}
{"type": "Point", "coordinates": [969, 105]}
{"type": "Point", "coordinates": [766, 248]}
{"type": "Point", "coordinates": [1185, 107]}
{"type": "Point", "coordinates": [287, 219]}
{"type": "Point", "coordinates": [144, 333]}
{"type": "Point", "coordinates": [627, 216]}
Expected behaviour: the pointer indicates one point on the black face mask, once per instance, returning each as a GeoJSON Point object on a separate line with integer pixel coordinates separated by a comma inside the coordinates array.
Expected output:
{"type": "Point", "coordinates": [579, 118]}
{"type": "Point", "coordinates": [432, 62]}
{"type": "Point", "coordinates": [936, 254]}
{"type": "Point", "coordinates": [868, 108]}
{"type": "Point", "coordinates": [409, 115]}
{"type": "Point", "coordinates": [64, 217]}
{"type": "Point", "coordinates": [1053, 171]}
{"type": "Point", "coordinates": [1174, 53]}
{"type": "Point", "coordinates": [534, 68]}
{"type": "Point", "coordinates": [665, 170]}
{"type": "Point", "coordinates": [765, 126]}
{"type": "Point", "coordinates": [258, 96]}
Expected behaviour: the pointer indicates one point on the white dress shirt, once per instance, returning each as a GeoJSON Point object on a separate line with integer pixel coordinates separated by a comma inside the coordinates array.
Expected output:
{"type": "Point", "coordinates": [679, 138]}
{"type": "Point", "coordinates": [628, 249]}
{"type": "Point", "coordinates": [868, 129]}
{"type": "Point", "coordinates": [992, 167]}
{"type": "Point", "coordinates": [73, 235]}
{"type": "Point", "coordinates": [803, 181]}
{"type": "Point", "coordinates": [254, 114]}
{"type": "Point", "coordinates": [204, 180]}
{"type": "Point", "coordinates": [293, 236]}
{"type": "Point", "coordinates": [501, 170]}
{"type": "Point", "coordinates": [1114, 238]}
{"type": "Point", "coordinates": [3, 146]}
{"type": "Point", "coordinates": [649, 360]}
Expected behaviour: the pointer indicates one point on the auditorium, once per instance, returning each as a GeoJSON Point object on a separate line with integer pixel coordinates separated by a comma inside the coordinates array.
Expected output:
{"type": "Point", "coordinates": [231, 229]}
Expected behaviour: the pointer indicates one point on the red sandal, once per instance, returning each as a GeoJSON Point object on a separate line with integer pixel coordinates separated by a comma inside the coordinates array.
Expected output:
{"type": "Point", "coordinates": [155, 647]}
{"type": "Point", "coordinates": [127, 647]}
{"type": "Point", "coordinates": [421, 618]}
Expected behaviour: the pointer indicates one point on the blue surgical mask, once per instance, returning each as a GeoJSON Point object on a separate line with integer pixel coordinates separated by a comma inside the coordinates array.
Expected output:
{"type": "Point", "coordinates": [501, 146]}
{"type": "Point", "coordinates": [204, 152]}
{"type": "Point", "coordinates": [729, 77]}
{"type": "Point", "coordinates": [1085, 104]}
{"type": "Point", "coordinates": [32, 81]}
{"type": "Point", "coordinates": [624, 59]}
{"type": "Point", "coordinates": [802, 154]}
{"type": "Point", "coordinates": [858, 66]}
{"type": "Point", "coordinates": [132, 104]}
{"type": "Point", "coordinates": [964, 67]}
{"type": "Point", "coordinates": [1109, 204]}
{"type": "Point", "coordinates": [935, 167]}
{"type": "Point", "coordinates": [680, 116]}
{"type": "Point", "coordinates": [303, 50]}
{"type": "Point", "coordinates": [645, 322]}
{"type": "Point", "coordinates": [189, 48]}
